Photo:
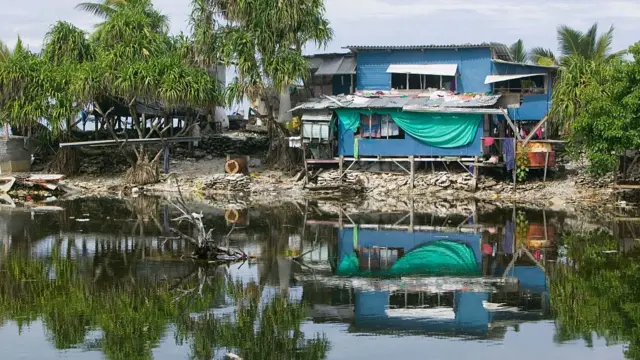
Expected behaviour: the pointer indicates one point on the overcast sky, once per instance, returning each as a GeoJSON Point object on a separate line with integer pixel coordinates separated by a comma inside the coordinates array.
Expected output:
{"type": "Point", "coordinates": [384, 22]}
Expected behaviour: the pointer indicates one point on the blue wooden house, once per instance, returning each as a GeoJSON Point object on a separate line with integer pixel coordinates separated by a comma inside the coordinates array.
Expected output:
{"type": "Point", "coordinates": [427, 103]}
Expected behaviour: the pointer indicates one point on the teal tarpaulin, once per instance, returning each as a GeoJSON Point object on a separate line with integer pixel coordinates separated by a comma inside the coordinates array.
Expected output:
{"type": "Point", "coordinates": [435, 258]}
{"type": "Point", "coordinates": [434, 129]}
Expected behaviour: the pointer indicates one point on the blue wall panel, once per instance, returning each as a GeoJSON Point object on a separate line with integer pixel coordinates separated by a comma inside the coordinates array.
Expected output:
{"type": "Point", "coordinates": [473, 65]}
{"type": "Point", "coordinates": [533, 107]}
{"type": "Point", "coordinates": [409, 146]}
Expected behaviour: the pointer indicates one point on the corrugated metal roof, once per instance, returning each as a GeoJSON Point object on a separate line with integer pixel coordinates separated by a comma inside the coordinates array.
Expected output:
{"type": "Point", "coordinates": [315, 63]}
{"type": "Point", "coordinates": [337, 66]}
{"type": "Point", "coordinates": [353, 102]}
{"type": "Point", "coordinates": [501, 51]}
{"type": "Point", "coordinates": [348, 66]}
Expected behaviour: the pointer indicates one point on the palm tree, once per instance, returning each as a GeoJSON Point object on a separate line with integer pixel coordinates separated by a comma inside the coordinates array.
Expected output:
{"type": "Point", "coordinates": [572, 42]}
{"type": "Point", "coordinates": [518, 52]}
{"type": "Point", "coordinates": [107, 8]}
{"type": "Point", "coordinates": [582, 56]}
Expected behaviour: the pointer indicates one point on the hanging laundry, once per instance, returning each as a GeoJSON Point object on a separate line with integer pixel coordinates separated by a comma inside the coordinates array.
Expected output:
{"type": "Point", "coordinates": [488, 141]}
{"type": "Point", "coordinates": [389, 127]}
{"type": "Point", "coordinates": [370, 126]}
{"type": "Point", "coordinates": [508, 150]}
{"type": "Point", "coordinates": [539, 133]}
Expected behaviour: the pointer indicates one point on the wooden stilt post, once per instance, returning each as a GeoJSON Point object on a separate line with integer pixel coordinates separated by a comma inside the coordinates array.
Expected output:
{"type": "Point", "coordinates": [304, 157]}
{"type": "Point", "coordinates": [341, 166]}
{"type": "Point", "coordinates": [413, 170]}
{"type": "Point", "coordinates": [515, 166]}
{"type": "Point", "coordinates": [165, 153]}
{"type": "Point", "coordinates": [475, 173]}
{"type": "Point", "coordinates": [411, 216]}
{"type": "Point", "coordinates": [433, 167]}
{"type": "Point", "coordinates": [546, 165]}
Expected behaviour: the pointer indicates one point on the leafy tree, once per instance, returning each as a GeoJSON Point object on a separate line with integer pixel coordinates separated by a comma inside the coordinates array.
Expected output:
{"type": "Point", "coordinates": [609, 101]}
{"type": "Point", "coordinates": [137, 62]}
{"type": "Point", "coordinates": [263, 39]}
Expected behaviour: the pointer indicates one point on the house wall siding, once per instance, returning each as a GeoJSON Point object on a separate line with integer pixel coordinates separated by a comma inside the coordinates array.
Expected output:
{"type": "Point", "coordinates": [533, 107]}
{"type": "Point", "coordinates": [473, 66]}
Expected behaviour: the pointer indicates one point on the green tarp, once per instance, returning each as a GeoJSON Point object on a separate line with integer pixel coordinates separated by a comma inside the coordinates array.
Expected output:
{"type": "Point", "coordinates": [434, 129]}
{"type": "Point", "coordinates": [435, 258]}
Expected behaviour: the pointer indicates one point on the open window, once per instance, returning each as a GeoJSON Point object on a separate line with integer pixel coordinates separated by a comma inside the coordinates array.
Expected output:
{"type": "Point", "coordinates": [525, 84]}
{"type": "Point", "coordinates": [379, 126]}
{"type": "Point", "coordinates": [421, 77]}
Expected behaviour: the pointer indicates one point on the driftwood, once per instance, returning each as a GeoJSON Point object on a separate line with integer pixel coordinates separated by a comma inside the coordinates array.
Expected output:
{"type": "Point", "coordinates": [206, 247]}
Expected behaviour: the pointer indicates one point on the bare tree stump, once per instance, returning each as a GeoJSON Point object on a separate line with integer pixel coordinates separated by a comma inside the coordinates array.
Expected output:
{"type": "Point", "coordinates": [237, 166]}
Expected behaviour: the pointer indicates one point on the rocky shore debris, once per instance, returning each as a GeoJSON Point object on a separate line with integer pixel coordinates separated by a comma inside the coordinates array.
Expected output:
{"type": "Point", "coordinates": [220, 145]}
{"type": "Point", "coordinates": [227, 183]}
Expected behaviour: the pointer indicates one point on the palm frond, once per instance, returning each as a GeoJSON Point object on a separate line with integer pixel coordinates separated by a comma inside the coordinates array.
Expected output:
{"type": "Point", "coordinates": [542, 56]}
{"type": "Point", "coordinates": [4, 51]}
{"type": "Point", "coordinates": [569, 40]}
{"type": "Point", "coordinates": [102, 10]}
{"type": "Point", "coordinates": [588, 42]}
{"type": "Point", "coordinates": [518, 52]}
{"type": "Point", "coordinates": [602, 47]}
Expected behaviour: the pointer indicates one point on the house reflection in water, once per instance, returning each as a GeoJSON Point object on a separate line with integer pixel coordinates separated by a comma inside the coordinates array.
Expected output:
{"type": "Point", "coordinates": [465, 281]}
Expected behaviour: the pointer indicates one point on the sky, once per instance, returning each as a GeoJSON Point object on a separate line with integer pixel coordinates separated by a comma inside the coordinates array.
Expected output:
{"type": "Point", "coordinates": [383, 22]}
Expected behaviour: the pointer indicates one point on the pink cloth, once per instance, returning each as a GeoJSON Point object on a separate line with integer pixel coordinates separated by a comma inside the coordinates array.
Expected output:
{"type": "Point", "coordinates": [488, 141]}
{"type": "Point", "coordinates": [487, 249]}
{"type": "Point", "coordinates": [539, 133]}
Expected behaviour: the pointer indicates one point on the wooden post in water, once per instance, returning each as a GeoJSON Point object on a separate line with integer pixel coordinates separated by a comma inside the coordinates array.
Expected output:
{"type": "Point", "coordinates": [341, 166]}
{"type": "Point", "coordinates": [546, 165]}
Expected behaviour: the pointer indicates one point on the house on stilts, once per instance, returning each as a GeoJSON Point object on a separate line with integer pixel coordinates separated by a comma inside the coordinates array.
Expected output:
{"type": "Point", "coordinates": [467, 104]}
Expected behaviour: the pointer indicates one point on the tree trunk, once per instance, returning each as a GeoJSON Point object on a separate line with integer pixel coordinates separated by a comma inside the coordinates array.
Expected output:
{"type": "Point", "coordinates": [285, 105]}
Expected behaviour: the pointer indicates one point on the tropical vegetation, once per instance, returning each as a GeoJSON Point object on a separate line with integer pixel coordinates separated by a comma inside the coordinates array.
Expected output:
{"type": "Point", "coordinates": [593, 94]}
{"type": "Point", "coordinates": [130, 64]}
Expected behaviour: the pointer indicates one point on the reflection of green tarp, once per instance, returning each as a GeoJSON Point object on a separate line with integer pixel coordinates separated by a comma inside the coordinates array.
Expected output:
{"type": "Point", "coordinates": [434, 129]}
{"type": "Point", "coordinates": [435, 258]}
{"type": "Point", "coordinates": [440, 257]}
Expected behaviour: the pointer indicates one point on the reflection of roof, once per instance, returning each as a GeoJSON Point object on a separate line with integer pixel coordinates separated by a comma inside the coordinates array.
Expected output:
{"type": "Point", "coordinates": [394, 102]}
{"type": "Point", "coordinates": [501, 51]}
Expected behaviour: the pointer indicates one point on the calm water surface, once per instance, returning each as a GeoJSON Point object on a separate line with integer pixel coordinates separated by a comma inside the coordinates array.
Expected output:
{"type": "Point", "coordinates": [101, 280]}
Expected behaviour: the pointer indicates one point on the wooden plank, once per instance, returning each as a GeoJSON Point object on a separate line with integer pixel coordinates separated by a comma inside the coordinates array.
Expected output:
{"type": "Point", "coordinates": [511, 124]}
{"type": "Point", "coordinates": [533, 131]}
{"type": "Point", "coordinates": [130, 141]}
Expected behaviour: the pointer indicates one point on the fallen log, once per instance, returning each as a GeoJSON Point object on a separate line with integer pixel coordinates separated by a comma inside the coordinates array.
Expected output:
{"type": "Point", "coordinates": [237, 166]}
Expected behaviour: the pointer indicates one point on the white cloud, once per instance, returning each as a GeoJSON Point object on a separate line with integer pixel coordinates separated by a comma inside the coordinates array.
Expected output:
{"type": "Point", "coordinates": [385, 22]}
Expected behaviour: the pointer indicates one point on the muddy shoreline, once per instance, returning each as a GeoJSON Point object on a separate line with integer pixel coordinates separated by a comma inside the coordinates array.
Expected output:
{"type": "Point", "coordinates": [205, 181]}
